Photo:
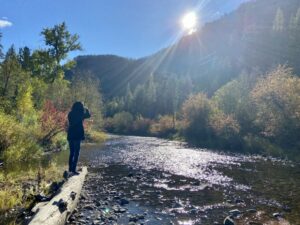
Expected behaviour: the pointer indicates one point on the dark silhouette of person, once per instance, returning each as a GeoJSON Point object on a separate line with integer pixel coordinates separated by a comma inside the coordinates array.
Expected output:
{"type": "Point", "coordinates": [76, 132]}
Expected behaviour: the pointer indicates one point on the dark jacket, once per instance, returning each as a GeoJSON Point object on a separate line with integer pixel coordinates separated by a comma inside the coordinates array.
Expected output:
{"type": "Point", "coordinates": [75, 129]}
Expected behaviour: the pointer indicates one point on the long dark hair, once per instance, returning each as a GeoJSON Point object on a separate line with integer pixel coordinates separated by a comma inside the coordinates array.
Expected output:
{"type": "Point", "coordinates": [78, 107]}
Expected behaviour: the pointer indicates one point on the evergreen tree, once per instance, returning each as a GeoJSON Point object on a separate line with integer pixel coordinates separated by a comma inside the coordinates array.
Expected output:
{"type": "Point", "coordinates": [293, 40]}
{"type": "Point", "coordinates": [1, 53]}
{"type": "Point", "coordinates": [295, 21]}
{"type": "Point", "coordinates": [278, 24]}
{"type": "Point", "coordinates": [150, 98]}
{"type": "Point", "coordinates": [25, 58]}
{"type": "Point", "coordinates": [43, 65]}
{"type": "Point", "coordinates": [128, 98]}
{"type": "Point", "coordinates": [10, 71]}
{"type": "Point", "coordinates": [86, 88]}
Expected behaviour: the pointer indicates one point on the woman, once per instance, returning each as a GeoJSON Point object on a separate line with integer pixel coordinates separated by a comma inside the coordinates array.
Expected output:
{"type": "Point", "coordinates": [76, 132]}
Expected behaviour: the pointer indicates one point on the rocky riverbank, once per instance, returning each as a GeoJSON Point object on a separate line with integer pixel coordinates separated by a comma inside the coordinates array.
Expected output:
{"type": "Point", "coordinates": [121, 195]}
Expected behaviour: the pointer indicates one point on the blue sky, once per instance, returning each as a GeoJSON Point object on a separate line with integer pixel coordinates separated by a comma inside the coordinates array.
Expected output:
{"type": "Point", "coordinates": [131, 28]}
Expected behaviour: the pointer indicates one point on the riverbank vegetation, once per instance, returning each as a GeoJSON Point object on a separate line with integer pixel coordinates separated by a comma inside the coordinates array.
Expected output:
{"type": "Point", "coordinates": [20, 187]}
{"type": "Point", "coordinates": [256, 113]}
{"type": "Point", "coordinates": [35, 98]}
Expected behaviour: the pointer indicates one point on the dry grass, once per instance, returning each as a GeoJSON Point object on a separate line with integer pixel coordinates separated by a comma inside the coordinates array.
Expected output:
{"type": "Point", "coordinates": [18, 187]}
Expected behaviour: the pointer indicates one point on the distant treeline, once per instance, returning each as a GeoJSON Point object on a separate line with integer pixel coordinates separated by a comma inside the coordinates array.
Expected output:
{"type": "Point", "coordinates": [259, 35]}
{"type": "Point", "coordinates": [256, 113]}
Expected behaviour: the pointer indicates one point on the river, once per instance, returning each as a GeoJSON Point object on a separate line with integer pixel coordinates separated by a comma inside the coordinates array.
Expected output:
{"type": "Point", "coordinates": [168, 182]}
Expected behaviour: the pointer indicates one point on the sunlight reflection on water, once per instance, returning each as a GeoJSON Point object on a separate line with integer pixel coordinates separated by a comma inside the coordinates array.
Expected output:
{"type": "Point", "coordinates": [186, 180]}
{"type": "Point", "coordinates": [186, 222]}
{"type": "Point", "coordinates": [172, 157]}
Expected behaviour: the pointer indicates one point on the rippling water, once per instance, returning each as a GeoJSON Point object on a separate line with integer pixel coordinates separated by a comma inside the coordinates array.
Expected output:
{"type": "Point", "coordinates": [172, 157]}
{"type": "Point", "coordinates": [197, 180]}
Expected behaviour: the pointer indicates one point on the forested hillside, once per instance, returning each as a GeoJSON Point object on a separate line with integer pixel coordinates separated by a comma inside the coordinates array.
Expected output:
{"type": "Point", "coordinates": [258, 36]}
{"type": "Point", "coordinates": [114, 71]}
{"type": "Point", "coordinates": [242, 98]}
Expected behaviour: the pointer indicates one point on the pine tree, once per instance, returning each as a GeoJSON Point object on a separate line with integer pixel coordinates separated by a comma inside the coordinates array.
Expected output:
{"type": "Point", "coordinates": [297, 18]}
{"type": "Point", "coordinates": [9, 74]}
{"type": "Point", "coordinates": [128, 98]}
{"type": "Point", "coordinates": [278, 24]}
{"type": "Point", "coordinates": [25, 58]}
{"type": "Point", "coordinates": [1, 53]}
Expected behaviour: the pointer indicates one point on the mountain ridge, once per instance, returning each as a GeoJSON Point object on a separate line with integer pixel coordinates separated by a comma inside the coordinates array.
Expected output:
{"type": "Point", "coordinates": [238, 42]}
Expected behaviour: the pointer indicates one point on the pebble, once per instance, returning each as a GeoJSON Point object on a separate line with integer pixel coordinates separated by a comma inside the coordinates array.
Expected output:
{"type": "Point", "coordinates": [277, 215]}
{"type": "Point", "coordinates": [82, 221]}
{"type": "Point", "coordinates": [287, 209]}
{"type": "Point", "coordinates": [133, 218]}
{"type": "Point", "coordinates": [235, 212]}
{"type": "Point", "coordinates": [88, 207]}
{"type": "Point", "coordinates": [96, 222]}
{"type": "Point", "coordinates": [124, 201]}
{"type": "Point", "coordinates": [217, 223]}
{"type": "Point", "coordinates": [251, 210]}
{"type": "Point", "coordinates": [255, 223]}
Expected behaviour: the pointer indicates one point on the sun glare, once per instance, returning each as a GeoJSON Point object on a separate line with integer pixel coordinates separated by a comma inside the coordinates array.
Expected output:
{"type": "Point", "coordinates": [189, 22]}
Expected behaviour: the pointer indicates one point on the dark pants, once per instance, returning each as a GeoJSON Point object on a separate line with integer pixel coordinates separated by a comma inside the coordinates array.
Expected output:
{"type": "Point", "coordinates": [74, 154]}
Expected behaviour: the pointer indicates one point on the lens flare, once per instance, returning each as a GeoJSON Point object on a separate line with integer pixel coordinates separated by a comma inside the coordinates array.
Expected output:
{"type": "Point", "coordinates": [189, 22]}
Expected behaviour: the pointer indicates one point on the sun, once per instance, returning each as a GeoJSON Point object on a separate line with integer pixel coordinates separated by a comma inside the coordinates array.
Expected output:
{"type": "Point", "coordinates": [189, 22]}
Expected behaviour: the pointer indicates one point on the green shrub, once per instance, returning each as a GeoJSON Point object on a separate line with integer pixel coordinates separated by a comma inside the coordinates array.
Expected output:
{"type": "Point", "coordinates": [255, 144]}
{"type": "Point", "coordinates": [59, 142]}
{"type": "Point", "coordinates": [141, 126]}
{"type": "Point", "coordinates": [120, 123]}
{"type": "Point", "coordinates": [16, 143]}
{"type": "Point", "coordinates": [277, 97]}
{"type": "Point", "coordinates": [164, 126]}
{"type": "Point", "coordinates": [95, 136]}
{"type": "Point", "coordinates": [196, 112]}
{"type": "Point", "coordinates": [9, 198]}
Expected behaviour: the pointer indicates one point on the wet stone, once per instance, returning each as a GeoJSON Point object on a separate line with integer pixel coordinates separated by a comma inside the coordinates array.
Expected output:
{"type": "Point", "coordinates": [98, 203]}
{"type": "Point", "coordinates": [255, 223]}
{"type": "Point", "coordinates": [82, 221]}
{"type": "Point", "coordinates": [217, 223]}
{"type": "Point", "coordinates": [277, 215]}
{"type": "Point", "coordinates": [228, 221]}
{"type": "Point", "coordinates": [89, 207]}
{"type": "Point", "coordinates": [287, 209]}
{"type": "Point", "coordinates": [251, 211]}
{"type": "Point", "coordinates": [96, 222]}
{"type": "Point", "coordinates": [123, 201]}
{"type": "Point", "coordinates": [112, 217]}
{"type": "Point", "coordinates": [140, 216]}
{"type": "Point", "coordinates": [235, 212]}
{"type": "Point", "coordinates": [133, 218]}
